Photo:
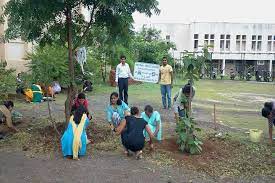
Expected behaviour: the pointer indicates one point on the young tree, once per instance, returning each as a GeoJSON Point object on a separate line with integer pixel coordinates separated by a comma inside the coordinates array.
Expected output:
{"type": "Point", "coordinates": [186, 126]}
{"type": "Point", "coordinates": [62, 21]}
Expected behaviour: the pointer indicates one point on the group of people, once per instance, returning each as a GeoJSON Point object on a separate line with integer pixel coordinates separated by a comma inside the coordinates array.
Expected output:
{"type": "Point", "coordinates": [134, 127]}
{"type": "Point", "coordinates": [37, 91]}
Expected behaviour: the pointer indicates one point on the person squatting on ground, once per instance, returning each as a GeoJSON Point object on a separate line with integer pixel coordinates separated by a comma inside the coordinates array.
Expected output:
{"type": "Point", "coordinates": [181, 101]}
{"type": "Point", "coordinates": [154, 122]}
{"type": "Point", "coordinates": [74, 139]}
{"type": "Point", "coordinates": [131, 131]}
{"type": "Point", "coordinates": [81, 100]}
{"type": "Point", "coordinates": [269, 112]}
{"type": "Point", "coordinates": [8, 115]}
{"type": "Point", "coordinates": [116, 111]}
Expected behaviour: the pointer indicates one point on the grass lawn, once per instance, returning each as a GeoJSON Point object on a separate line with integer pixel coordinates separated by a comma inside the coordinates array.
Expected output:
{"type": "Point", "coordinates": [238, 103]}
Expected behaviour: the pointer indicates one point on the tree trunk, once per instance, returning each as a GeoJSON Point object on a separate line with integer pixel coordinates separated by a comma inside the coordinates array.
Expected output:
{"type": "Point", "coordinates": [51, 118]}
{"type": "Point", "coordinates": [68, 102]}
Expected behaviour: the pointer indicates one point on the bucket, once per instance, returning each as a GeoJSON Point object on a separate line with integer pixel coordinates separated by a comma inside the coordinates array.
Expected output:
{"type": "Point", "coordinates": [255, 135]}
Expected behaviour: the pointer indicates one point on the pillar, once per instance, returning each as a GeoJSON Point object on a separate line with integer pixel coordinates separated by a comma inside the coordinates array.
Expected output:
{"type": "Point", "coordinates": [223, 67]}
{"type": "Point", "coordinates": [270, 68]}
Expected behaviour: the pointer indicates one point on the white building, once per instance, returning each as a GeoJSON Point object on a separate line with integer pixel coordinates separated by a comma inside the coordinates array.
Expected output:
{"type": "Point", "coordinates": [234, 45]}
{"type": "Point", "coordinates": [13, 52]}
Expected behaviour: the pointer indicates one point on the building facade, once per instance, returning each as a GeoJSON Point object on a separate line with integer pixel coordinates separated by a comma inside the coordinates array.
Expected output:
{"type": "Point", "coordinates": [233, 46]}
{"type": "Point", "coordinates": [13, 52]}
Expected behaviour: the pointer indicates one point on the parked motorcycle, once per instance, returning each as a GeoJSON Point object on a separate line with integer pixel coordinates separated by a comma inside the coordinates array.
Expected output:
{"type": "Point", "coordinates": [248, 76]}
{"type": "Point", "coordinates": [214, 75]}
{"type": "Point", "coordinates": [232, 75]}
{"type": "Point", "coordinates": [258, 76]}
{"type": "Point", "coordinates": [267, 77]}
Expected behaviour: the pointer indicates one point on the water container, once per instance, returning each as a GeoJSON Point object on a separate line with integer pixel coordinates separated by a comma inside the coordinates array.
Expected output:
{"type": "Point", "coordinates": [255, 135]}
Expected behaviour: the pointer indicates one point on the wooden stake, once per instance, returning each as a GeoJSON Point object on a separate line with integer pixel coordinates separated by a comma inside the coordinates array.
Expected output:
{"type": "Point", "coordinates": [215, 117]}
{"type": "Point", "coordinates": [273, 153]}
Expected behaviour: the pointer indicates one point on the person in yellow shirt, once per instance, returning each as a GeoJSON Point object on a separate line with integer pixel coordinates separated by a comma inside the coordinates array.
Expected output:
{"type": "Point", "coordinates": [165, 81]}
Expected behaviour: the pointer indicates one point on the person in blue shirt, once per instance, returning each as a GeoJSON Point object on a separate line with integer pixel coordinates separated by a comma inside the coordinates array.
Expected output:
{"type": "Point", "coordinates": [154, 122]}
{"type": "Point", "coordinates": [74, 139]}
{"type": "Point", "coordinates": [117, 110]}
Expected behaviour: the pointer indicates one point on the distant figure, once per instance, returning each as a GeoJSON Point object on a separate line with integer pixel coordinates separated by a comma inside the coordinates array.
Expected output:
{"type": "Point", "coordinates": [131, 130]}
{"type": "Point", "coordinates": [37, 93]}
{"type": "Point", "coordinates": [166, 81]}
{"type": "Point", "coordinates": [112, 77]}
{"type": "Point", "coordinates": [74, 139]}
{"type": "Point", "coordinates": [123, 73]}
{"type": "Point", "coordinates": [87, 86]}
{"type": "Point", "coordinates": [20, 84]}
{"type": "Point", "coordinates": [56, 87]}
{"type": "Point", "coordinates": [269, 112]}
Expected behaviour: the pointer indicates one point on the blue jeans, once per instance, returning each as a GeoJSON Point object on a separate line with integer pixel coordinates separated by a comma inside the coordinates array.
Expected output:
{"type": "Point", "coordinates": [166, 91]}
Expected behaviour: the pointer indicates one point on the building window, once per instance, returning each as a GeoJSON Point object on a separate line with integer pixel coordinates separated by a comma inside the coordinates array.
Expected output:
{"type": "Point", "coordinates": [167, 37]}
{"type": "Point", "coordinates": [270, 43]}
{"type": "Point", "coordinates": [240, 42]}
{"type": "Point", "coordinates": [222, 42]}
{"type": "Point", "coordinates": [206, 39]}
{"type": "Point", "coordinates": [256, 43]}
{"type": "Point", "coordinates": [259, 44]}
{"type": "Point", "coordinates": [196, 41]}
{"type": "Point", "coordinates": [212, 42]}
{"type": "Point", "coordinates": [209, 40]}
{"type": "Point", "coordinates": [227, 43]}
{"type": "Point", "coordinates": [243, 42]}
{"type": "Point", "coordinates": [260, 62]}
{"type": "Point", "coordinates": [212, 36]}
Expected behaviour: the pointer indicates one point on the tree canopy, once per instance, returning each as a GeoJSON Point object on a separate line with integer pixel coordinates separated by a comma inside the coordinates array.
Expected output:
{"type": "Point", "coordinates": [44, 21]}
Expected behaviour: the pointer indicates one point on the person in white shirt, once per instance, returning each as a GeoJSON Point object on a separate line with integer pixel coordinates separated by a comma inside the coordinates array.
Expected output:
{"type": "Point", "coordinates": [123, 72]}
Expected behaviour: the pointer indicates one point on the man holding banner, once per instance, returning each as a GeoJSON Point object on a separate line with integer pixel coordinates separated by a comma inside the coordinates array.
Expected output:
{"type": "Point", "coordinates": [123, 73]}
{"type": "Point", "coordinates": [165, 81]}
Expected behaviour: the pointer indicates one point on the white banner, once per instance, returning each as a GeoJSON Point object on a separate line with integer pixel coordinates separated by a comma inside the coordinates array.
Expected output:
{"type": "Point", "coordinates": [146, 72]}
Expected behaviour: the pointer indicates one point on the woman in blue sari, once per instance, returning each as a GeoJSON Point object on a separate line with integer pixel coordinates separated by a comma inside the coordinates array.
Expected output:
{"type": "Point", "coordinates": [116, 111]}
{"type": "Point", "coordinates": [154, 122]}
{"type": "Point", "coordinates": [74, 139]}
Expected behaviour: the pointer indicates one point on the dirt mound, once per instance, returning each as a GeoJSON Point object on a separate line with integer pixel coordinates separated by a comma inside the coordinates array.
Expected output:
{"type": "Point", "coordinates": [222, 157]}
{"type": "Point", "coordinates": [212, 149]}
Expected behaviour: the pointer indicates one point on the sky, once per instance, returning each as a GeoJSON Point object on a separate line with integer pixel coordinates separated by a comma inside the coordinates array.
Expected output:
{"type": "Point", "coordinates": [186, 11]}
